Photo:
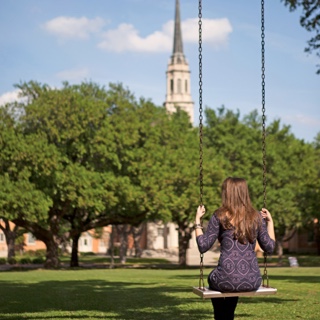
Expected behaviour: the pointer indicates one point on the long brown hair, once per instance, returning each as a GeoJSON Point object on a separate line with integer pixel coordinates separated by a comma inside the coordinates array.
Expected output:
{"type": "Point", "coordinates": [237, 212]}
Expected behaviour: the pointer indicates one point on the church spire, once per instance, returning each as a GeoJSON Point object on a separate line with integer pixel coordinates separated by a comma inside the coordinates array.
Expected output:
{"type": "Point", "coordinates": [178, 74]}
{"type": "Point", "coordinates": [177, 40]}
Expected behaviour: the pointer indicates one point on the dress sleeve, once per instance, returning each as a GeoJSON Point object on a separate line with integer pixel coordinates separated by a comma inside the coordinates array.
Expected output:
{"type": "Point", "coordinates": [264, 240]}
{"type": "Point", "coordinates": [206, 240]}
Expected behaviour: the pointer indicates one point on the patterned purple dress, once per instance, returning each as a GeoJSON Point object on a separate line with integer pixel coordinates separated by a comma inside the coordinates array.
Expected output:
{"type": "Point", "coordinates": [237, 269]}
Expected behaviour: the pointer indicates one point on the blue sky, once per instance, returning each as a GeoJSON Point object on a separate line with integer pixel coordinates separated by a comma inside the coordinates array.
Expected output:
{"type": "Point", "coordinates": [130, 41]}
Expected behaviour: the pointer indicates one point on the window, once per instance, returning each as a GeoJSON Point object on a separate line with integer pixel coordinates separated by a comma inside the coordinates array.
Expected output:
{"type": "Point", "coordinates": [85, 242]}
{"type": "Point", "coordinates": [179, 86]}
{"type": "Point", "coordinates": [186, 86]}
{"type": "Point", "coordinates": [102, 243]}
{"type": "Point", "coordinates": [160, 232]}
{"type": "Point", "coordinates": [2, 238]}
{"type": "Point", "coordinates": [171, 85]}
{"type": "Point", "coordinates": [31, 238]}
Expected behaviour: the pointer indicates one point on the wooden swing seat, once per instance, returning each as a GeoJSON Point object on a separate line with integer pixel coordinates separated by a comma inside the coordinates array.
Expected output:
{"type": "Point", "coordinates": [208, 294]}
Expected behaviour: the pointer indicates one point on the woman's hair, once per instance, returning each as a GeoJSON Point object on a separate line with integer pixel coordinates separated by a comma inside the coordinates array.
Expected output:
{"type": "Point", "coordinates": [237, 212]}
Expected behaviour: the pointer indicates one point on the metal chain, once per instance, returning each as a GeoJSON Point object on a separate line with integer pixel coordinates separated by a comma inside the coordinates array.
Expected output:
{"type": "Point", "coordinates": [263, 106]}
{"type": "Point", "coordinates": [264, 153]}
{"type": "Point", "coordinates": [201, 282]}
{"type": "Point", "coordinates": [200, 104]}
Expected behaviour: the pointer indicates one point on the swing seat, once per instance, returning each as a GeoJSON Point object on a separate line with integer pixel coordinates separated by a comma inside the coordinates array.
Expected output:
{"type": "Point", "coordinates": [206, 293]}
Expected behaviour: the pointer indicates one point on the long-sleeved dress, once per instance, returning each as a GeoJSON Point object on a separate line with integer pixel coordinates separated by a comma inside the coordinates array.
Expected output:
{"type": "Point", "coordinates": [237, 269]}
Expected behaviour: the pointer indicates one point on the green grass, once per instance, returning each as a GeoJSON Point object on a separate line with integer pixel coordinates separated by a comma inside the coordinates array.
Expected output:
{"type": "Point", "coordinates": [303, 260]}
{"type": "Point", "coordinates": [147, 294]}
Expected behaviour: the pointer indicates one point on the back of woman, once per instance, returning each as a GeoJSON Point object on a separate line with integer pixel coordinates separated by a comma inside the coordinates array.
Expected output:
{"type": "Point", "coordinates": [237, 226]}
{"type": "Point", "coordinates": [237, 269]}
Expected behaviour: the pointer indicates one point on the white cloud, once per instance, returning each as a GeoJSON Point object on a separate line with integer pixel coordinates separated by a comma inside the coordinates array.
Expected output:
{"type": "Point", "coordinates": [69, 27]}
{"type": "Point", "coordinates": [126, 37]}
{"type": "Point", "coordinates": [10, 96]}
{"type": "Point", "coordinates": [73, 74]}
{"type": "Point", "coordinates": [214, 31]}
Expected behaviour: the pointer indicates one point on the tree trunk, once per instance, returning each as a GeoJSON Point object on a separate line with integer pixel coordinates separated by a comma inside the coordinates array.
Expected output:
{"type": "Point", "coordinates": [74, 262]}
{"type": "Point", "coordinates": [165, 236]}
{"type": "Point", "coordinates": [48, 236]}
{"type": "Point", "coordinates": [123, 231]}
{"type": "Point", "coordinates": [111, 248]}
{"type": "Point", "coordinates": [316, 230]}
{"type": "Point", "coordinates": [10, 237]}
{"type": "Point", "coordinates": [280, 251]}
{"type": "Point", "coordinates": [52, 256]}
{"type": "Point", "coordinates": [10, 240]}
{"type": "Point", "coordinates": [184, 237]}
{"type": "Point", "coordinates": [137, 233]}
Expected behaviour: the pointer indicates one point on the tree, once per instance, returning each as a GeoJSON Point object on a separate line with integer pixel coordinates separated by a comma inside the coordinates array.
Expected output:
{"type": "Point", "coordinates": [56, 158]}
{"type": "Point", "coordinates": [309, 198]}
{"type": "Point", "coordinates": [102, 160]}
{"type": "Point", "coordinates": [291, 168]}
{"type": "Point", "coordinates": [21, 159]}
{"type": "Point", "coordinates": [310, 20]}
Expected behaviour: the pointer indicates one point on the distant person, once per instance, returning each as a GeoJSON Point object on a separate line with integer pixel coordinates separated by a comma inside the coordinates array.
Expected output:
{"type": "Point", "coordinates": [237, 225]}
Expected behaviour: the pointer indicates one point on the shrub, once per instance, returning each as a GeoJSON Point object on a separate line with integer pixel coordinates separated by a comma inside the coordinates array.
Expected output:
{"type": "Point", "coordinates": [38, 260]}
{"type": "Point", "coordinates": [40, 253]}
{"type": "Point", "coordinates": [3, 261]}
{"type": "Point", "coordinates": [83, 254]}
{"type": "Point", "coordinates": [12, 260]}
{"type": "Point", "coordinates": [30, 253]}
{"type": "Point", "coordinates": [25, 260]}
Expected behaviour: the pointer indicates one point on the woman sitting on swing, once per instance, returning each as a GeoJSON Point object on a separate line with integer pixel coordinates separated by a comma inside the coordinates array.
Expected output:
{"type": "Point", "coordinates": [237, 225]}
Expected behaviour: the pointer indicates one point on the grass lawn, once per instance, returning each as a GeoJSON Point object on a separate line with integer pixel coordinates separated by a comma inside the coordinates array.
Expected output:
{"type": "Point", "coordinates": [153, 294]}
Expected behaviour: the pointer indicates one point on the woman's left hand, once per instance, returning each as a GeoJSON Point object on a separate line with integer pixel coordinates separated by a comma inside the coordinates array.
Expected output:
{"type": "Point", "coordinates": [201, 211]}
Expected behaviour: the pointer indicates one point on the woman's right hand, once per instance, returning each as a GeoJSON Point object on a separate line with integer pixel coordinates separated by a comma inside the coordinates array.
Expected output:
{"type": "Point", "coordinates": [266, 214]}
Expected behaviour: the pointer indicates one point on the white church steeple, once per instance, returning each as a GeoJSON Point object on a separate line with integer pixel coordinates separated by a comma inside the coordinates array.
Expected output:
{"type": "Point", "coordinates": [178, 74]}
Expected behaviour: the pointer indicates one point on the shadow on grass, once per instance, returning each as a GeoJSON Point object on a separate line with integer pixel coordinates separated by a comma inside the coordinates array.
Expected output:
{"type": "Point", "coordinates": [157, 265]}
{"type": "Point", "coordinates": [94, 299]}
{"type": "Point", "coordinates": [272, 300]}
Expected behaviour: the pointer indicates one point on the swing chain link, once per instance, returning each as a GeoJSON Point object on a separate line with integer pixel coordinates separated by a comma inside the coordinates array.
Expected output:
{"type": "Point", "coordinates": [265, 278]}
{"type": "Point", "coordinates": [201, 282]}
{"type": "Point", "coordinates": [200, 105]}
{"type": "Point", "coordinates": [263, 84]}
